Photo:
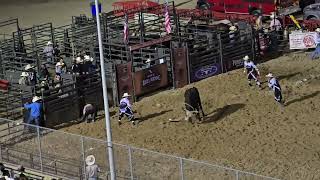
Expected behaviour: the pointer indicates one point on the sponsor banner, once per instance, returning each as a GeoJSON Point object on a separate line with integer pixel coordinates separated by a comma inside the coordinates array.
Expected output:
{"type": "Point", "coordinates": [205, 72]}
{"type": "Point", "coordinates": [150, 79]}
{"type": "Point", "coordinates": [303, 40]}
{"type": "Point", "coordinates": [234, 64]}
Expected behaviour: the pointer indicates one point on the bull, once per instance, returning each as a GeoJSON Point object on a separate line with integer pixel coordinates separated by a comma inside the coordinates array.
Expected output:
{"type": "Point", "coordinates": [193, 104]}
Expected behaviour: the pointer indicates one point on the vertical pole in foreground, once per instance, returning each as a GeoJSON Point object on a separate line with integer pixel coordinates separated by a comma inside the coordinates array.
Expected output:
{"type": "Point", "coordinates": [105, 97]}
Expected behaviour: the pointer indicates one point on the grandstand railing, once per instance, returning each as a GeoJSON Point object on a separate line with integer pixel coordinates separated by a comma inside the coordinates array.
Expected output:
{"type": "Point", "coordinates": [63, 154]}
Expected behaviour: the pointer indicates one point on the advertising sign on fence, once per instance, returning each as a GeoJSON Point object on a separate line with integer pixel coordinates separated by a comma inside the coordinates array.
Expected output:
{"type": "Point", "coordinates": [303, 40]}
{"type": "Point", "coordinates": [234, 64]}
{"type": "Point", "coordinates": [205, 72]}
{"type": "Point", "coordinates": [150, 79]}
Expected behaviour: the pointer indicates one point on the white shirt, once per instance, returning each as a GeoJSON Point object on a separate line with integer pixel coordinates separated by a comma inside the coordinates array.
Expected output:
{"type": "Point", "coordinates": [250, 65]}
{"type": "Point", "coordinates": [275, 25]}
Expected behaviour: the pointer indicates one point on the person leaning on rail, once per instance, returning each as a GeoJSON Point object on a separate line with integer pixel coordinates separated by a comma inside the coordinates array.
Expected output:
{"type": "Point", "coordinates": [35, 109]}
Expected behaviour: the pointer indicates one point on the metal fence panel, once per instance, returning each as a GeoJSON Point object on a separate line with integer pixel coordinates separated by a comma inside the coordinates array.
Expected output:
{"type": "Point", "coordinates": [150, 165]}
{"type": "Point", "coordinates": [198, 171]}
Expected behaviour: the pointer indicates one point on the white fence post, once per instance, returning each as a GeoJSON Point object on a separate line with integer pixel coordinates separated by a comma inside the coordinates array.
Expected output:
{"type": "Point", "coordinates": [237, 175]}
{"type": "Point", "coordinates": [130, 162]}
{"type": "Point", "coordinates": [39, 146]}
{"type": "Point", "coordinates": [83, 157]}
{"type": "Point", "coordinates": [181, 168]}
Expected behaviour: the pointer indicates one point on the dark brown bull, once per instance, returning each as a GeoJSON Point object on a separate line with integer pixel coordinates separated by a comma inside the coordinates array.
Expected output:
{"type": "Point", "coordinates": [193, 104]}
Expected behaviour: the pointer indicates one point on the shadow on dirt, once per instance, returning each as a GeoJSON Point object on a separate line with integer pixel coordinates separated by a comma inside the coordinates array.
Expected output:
{"type": "Point", "coordinates": [220, 113]}
{"type": "Point", "coordinates": [150, 116]}
{"type": "Point", "coordinates": [302, 98]}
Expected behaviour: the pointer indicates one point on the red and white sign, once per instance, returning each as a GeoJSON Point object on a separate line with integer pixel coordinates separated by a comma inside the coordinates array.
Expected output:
{"type": "Point", "coordinates": [303, 40]}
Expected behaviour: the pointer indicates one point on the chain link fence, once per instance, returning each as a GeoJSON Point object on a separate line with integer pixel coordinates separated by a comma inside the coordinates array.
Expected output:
{"type": "Point", "coordinates": [63, 154]}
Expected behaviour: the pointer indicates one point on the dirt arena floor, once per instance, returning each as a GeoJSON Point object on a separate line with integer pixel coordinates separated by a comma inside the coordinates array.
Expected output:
{"type": "Point", "coordinates": [244, 128]}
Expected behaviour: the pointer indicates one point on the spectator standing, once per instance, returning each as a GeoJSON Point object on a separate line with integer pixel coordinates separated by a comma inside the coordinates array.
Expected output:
{"type": "Point", "coordinates": [275, 24]}
{"type": "Point", "coordinates": [32, 74]}
{"type": "Point", "coordinates": [24, 80]}
{"type": "Point", "coordinates": [60, 67]}
{"type": "Point", "coordinates": [259, 24]}
{"type": "Point", "coordinates": [92, 169]}
{"type": "Point", "coordinates": [89, 64]}
{"type": "Point", "coordinates": [35, 109]}
{"type": "Point", "coordinates": [44, 73]}
{"type": "Point", "coordinates": [48, 52]}
{"type": "Point", "coordinates": [75, 69]}
{"type": "Point", "coordinates": [232, 34]}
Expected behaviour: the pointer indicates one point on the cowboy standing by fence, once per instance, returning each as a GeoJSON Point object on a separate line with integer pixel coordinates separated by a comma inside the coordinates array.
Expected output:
{"type": "Point", "coordinates": [24, 79]}
{"type": "Point", "coordinates": [49, 51]}
{"type": "Point", "coordinates": [274, 85]}
{"type": "Point", "coordinates": [92, 169]}
{"type": "Point", "coordinates": [252, 71]}
{"type": "Point", "coordinates": [35, 111]}
{"type": "Point", "coordinates": [125, 109]}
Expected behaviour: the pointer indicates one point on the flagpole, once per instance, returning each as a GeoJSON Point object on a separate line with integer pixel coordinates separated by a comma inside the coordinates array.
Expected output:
{"type": "Point", "coordinates": [105, 98]}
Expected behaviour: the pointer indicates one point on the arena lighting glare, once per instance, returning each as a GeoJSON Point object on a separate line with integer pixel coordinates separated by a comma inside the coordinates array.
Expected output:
{"type": "Point", "coordinates": [105, 98]}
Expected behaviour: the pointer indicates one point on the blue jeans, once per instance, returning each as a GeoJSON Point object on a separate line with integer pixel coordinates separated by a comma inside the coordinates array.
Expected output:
{"type": "Point", "coordinates": [35, 119]}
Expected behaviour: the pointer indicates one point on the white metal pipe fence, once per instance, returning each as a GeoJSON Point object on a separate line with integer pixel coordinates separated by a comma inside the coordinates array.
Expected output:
{"type": "Point", "coordinates": [55, 152]}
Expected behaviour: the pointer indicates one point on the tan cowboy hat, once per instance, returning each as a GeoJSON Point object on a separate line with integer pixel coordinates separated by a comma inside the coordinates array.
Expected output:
{"type": "Point", "coordinates": [24, 74]}
{"type": "Point", "coordinates": [126, 95]}
{"type": "Point", "coordinates": [90, 160]}
{"type": "Point", "coordinates": [270, 75]}
{"type": "Point", "coordinates": [28, 66]}
{"type": "Point", "coordinates": [318, 30]}
{"type": "Point", "coordinates": [246, 58]}
{"type": "Point", "coordinates": [88, 58]}
{"type": "Point", "coordinates": [79, 60]}
{"type": "Point", "coordinates": [232, 28]}
{"type": "Point", "coordinates": [35, 99]}
{"type": "Point", "coordinates": [49, 43]}
{"type": "Point", "coordinates": [59, 64]}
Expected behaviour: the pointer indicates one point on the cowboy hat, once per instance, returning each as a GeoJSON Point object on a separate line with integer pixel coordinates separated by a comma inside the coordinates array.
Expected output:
{"type": "Point", "coordinates": [35, 99]}
{"type": "Point", "coordinates": [269, 75]}
{"type": "Point", "coordinates": [24, 74]}
{"type": "Point", "coordinates": [59, 64]}
{"type": "Point", "coordinates": [49, 43]}
{"type": "Point", "coordinates": [28, 66]}
{"type": "Point", "coordinates": [88, 58]}
{"type": "Point", "coordinates": [232, 28]}
{"type": "Point", "coordinates": [318, 30]}
{"type": "Point", "coordinates": [126, 95]}
{"type": "Point", "coordinates": [246, 58]}
{"type": "Point", "coordinates": [90, 160]}
{"type": "Point", "coordinates": [79, 60]}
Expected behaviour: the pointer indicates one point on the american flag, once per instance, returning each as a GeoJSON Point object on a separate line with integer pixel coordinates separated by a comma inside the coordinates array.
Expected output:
{"type": "Point", "coordinates": [167, 19]}
{"type": "Point", "coordinates": [125, 30]}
